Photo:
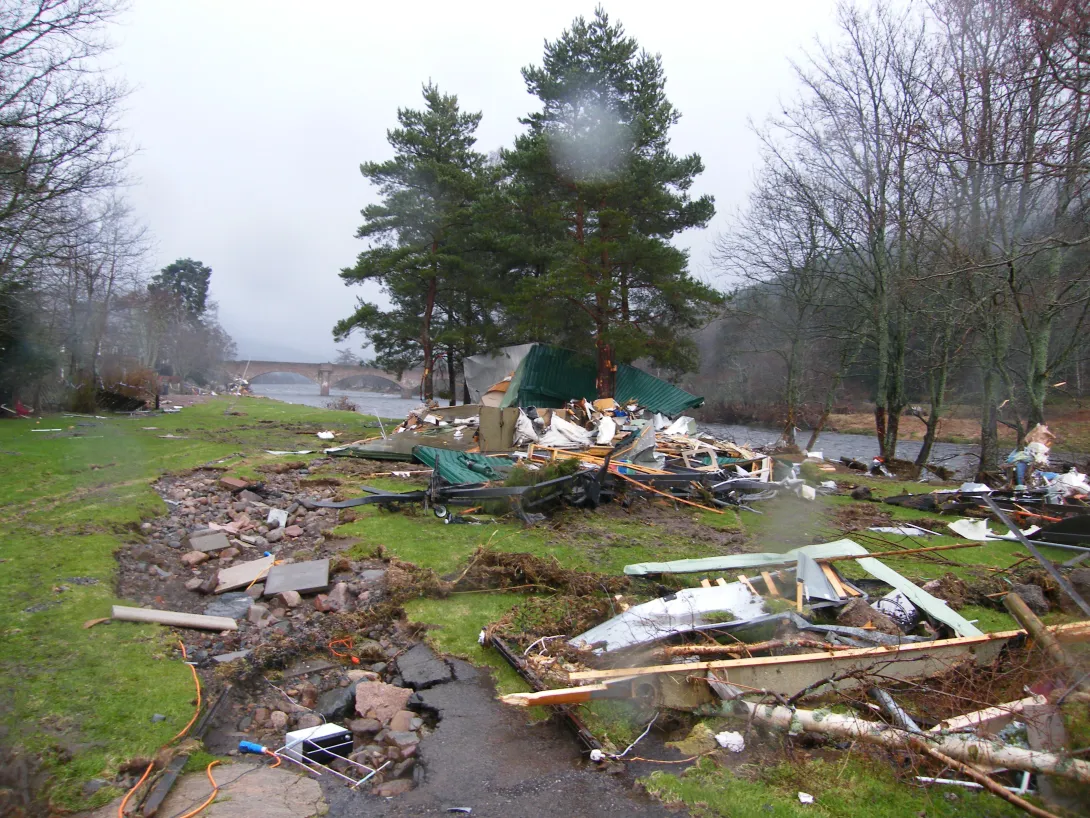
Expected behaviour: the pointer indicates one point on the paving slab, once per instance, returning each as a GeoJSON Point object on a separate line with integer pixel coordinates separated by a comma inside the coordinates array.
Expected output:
{"type": "Point", "coordinates": [207, 541]}
{"type": "Point", "coordinates": [247, 790]}
{"type": "Point", "coordinates": [241, 575]}
{"type": "Point", "coordinates": [303, 577]}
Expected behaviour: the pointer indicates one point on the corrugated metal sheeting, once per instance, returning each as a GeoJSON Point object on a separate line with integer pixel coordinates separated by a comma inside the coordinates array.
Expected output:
{"type": "Point", "coordinates": [551, 376]}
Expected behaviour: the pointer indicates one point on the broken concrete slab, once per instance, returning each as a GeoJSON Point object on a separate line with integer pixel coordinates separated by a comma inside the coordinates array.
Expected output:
{"type": "Point", "coordinates": [304, 577]}
{"type": "Point", "coordinates": [380, 701]}
{"type": "Point", "coordinates": [234, 605]}
{"type": "Point", "coordinates": [232, 656]}
{"type": "Point", "coordinates": [246, 790]}
{"type": "Point", "coordinates": [206, 541]}
{"type": "Point", "coordinates": [241, 575]}
{"type": "Point", "coordinates": [421, 669]}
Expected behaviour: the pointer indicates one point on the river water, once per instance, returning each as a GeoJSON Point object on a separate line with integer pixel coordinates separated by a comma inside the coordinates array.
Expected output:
{"type": "Point", "coordinates": [833, 445]}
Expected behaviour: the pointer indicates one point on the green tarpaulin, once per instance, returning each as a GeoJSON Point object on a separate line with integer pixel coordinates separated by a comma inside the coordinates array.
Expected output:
{"type": "Point", "coordinates": [460, 468]}
{"type": "Point", "coordinates": [550, 376]}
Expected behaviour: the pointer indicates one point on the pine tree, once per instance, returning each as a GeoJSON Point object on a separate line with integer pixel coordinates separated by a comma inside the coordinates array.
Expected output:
{"type": "Point", "coordinates": [600, 196]}
{"type": "Point", "coordinates": [419, 232]}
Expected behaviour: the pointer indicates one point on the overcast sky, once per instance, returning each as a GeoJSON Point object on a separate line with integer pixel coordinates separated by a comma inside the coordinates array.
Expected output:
{"type": "Point", "coordinates": [252, 118]}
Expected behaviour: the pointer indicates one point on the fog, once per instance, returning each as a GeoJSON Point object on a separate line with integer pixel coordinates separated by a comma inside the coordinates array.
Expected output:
{"type": "Point", "coordinates": [251, 120]}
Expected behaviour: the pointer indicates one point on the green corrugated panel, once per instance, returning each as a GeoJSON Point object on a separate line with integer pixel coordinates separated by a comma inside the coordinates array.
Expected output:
{"type": "Point", "coordinates": [460, 468]}
{"type": "Point", "coordinates": [551, 376]}
{"type": "Point", "coordinates": [652, 393]}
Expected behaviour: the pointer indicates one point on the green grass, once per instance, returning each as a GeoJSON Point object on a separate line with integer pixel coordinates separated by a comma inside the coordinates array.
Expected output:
{"type": "Point", "coordinates": [83, 699]}
{"type": "Point", "coordinates": [423, 539]}
{"type": "Point", "coordinates": [458, 620]}
{"type": "Point", "coordinates": [853, 786]}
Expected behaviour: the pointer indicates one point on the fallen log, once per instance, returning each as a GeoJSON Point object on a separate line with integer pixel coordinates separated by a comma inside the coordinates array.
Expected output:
{"type": "Point", "coordinates": [177, 619]}
{"type": "Point", "coordinates": [989, 715]}
{"type": "Point", "coordinates": [985, 781]}
{"type": "Point", "coordinates": [967, 749]}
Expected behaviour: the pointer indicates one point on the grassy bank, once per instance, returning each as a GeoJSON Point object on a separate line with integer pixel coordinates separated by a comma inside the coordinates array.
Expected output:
{"type": "Point", "coordinates": [82, 700]}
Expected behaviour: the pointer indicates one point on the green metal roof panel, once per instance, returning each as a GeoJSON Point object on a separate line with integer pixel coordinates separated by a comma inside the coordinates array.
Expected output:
{"type": "Point", "coordinates": [551, 376]}
{"type": "Point", "coordinates": [652, 393]}
{"type": "Point", "coordinates": [460, 468]}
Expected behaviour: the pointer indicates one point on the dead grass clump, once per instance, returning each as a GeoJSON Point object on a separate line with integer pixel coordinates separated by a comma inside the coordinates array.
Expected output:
{"type": "Point", "coordinates": [404, 580]}
{"type": "Point", "coordinates": [281, 468]}
{"type": "Point", "coordinates": [498, 570]}
{"type": "Point", "coordinates": [861, 516]}
{"type": "Point", "coordinates": [538, 617]}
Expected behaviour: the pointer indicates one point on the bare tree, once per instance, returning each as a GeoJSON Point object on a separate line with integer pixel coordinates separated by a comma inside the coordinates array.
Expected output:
{"type": "Point", "coordinates": [847, 148]}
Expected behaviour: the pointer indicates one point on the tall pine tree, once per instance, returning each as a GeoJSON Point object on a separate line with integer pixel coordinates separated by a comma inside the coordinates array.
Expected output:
{"type": "Point", "coordinates": [600, 196]}
{"type": "Point", "coordinates": [419, 234]}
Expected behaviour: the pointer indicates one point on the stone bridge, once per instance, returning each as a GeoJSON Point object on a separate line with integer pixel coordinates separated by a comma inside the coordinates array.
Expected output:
{"type": "Point", "coordinates": [325, 375]}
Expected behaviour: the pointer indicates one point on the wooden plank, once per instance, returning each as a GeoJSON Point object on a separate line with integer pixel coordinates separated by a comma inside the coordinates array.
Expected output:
{"type": "Point", "coordinates": [798, 594]}
{"type": "Point", "coordinates": [1076, 631]}
{"type": "Point", "coordinates": [572, 695]}
{"type": "Point", "coordinates": [704, 583]}
{"type": "Point", "coordinates": [662, 493]}
{"type": "Point", "coordinates": [770, 583]}
{"type": "Point", "coordinates": [177, 619]}
{"type": "Point", "coordinates": [722, 583]}
{"type": "Point", "coordinates": [742, 578]}
{"type": "Point", "coordinates": [834, 580]}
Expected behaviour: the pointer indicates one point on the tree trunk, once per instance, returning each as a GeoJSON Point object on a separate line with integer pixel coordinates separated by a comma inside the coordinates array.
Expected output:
{"type": "Point", "coordinates": [938, 380]}
{"type": "Point", "coordinates": [425, 339]}
{"type": "Point", "coordinates": [928, 441]}
{"type": "Point", "coordinates": [607, 370]}
{"type": "Point", "coordinates": [1037, 376]}
{"type": "Point", "coordinates": [792, 394]}
{"type": "Point", "coordinates": [989, 426]}
{"type": "Point", "coordinates": [450, 375]}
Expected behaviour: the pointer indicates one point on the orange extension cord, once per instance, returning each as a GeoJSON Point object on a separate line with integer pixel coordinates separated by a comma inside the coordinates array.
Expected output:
{"type": "Point", "coordinates": [184, 730]}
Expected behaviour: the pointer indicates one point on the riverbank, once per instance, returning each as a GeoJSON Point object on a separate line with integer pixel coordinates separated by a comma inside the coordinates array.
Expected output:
{"type": "Point", "coordinates": [84, 703]}
{"type": "Point", "coordinates": [1072, 429]}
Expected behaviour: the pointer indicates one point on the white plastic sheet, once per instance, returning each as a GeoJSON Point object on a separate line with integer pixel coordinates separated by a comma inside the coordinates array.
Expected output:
{"type": "Point", "coordinates": [524, 431]}
{"type": "Point", "coordinates": [607, 428]}
{"type": "Point", "coordinates": [565, 435]}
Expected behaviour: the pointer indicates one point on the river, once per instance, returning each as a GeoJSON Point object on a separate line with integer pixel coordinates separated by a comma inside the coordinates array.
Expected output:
{"type": "Point", "coordinates": [960, 457]}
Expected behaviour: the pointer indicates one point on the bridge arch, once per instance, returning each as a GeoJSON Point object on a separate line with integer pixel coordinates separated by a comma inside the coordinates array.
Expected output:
{"type": "Point", "coordinates": [323, 374]}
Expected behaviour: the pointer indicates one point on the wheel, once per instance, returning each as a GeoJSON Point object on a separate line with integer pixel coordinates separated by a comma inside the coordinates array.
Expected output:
{"type": "Point", "coordinates": [440, 511]}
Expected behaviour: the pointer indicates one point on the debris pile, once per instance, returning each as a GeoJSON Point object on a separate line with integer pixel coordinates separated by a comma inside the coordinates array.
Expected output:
{"type": "Point", "coordinates": [304, 637]}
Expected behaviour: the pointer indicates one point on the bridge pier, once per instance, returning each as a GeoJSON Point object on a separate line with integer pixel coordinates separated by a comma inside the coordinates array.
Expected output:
{"type": "Point", "coordinates": [325, 374]}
